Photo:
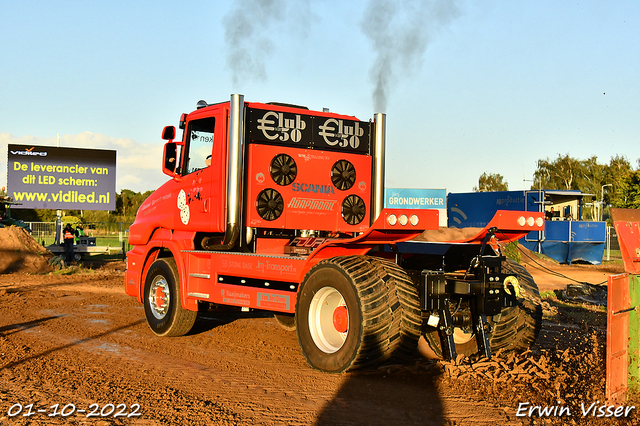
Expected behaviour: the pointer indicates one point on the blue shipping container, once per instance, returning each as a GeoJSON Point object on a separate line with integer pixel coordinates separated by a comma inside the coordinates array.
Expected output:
{"type": "Point", "coordinates": [565, 241]}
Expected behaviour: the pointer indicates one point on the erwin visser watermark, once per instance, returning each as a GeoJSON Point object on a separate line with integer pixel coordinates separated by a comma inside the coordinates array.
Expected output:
{"type": "Point", "coordinates": [594, 409]}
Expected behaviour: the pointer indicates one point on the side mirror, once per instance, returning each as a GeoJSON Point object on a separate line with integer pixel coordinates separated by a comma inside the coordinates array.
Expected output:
{"type": "Point", "coordinates": [170, 158]}
{"type": "Point", "coordinates": [169, 133]}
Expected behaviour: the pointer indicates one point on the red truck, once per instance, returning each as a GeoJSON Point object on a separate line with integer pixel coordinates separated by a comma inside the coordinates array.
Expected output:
{"type": "Point", "coordinates": [275, 207]}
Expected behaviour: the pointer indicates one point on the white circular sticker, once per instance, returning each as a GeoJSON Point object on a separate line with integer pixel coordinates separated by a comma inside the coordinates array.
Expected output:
{"type": "Point", "coordinates": [184, 215]}
{"type": "Point", "coordinates": [182, 199]}
{"type": "Point", "coordinates": [184, 208]}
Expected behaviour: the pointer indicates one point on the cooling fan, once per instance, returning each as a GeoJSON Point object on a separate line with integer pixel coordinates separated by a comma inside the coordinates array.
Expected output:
{"type": "Point", "coordinates": [353, 209]}
{"type": "Point", "coordinates": [283, 169]}
{"type": "Point", "coordinates": [343, 175]}
{"type": "Point", "coordinates": [269, 204]}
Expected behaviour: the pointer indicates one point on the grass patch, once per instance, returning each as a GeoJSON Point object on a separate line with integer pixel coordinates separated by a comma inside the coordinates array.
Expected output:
{"type": "Point", "coordinates": [550, 294]}
{"type": "Point", "coordinates": [512, 252]}
{"type": "Point", "coordinates": [71, 270]}
{"type": "Point", "coordinates": [103, 257]}
{"type": "Point", "coordinates": [545, 257]}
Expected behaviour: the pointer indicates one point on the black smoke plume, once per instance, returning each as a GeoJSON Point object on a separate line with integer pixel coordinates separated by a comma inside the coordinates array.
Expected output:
{"type": "Point", "coordinates": [400, 32]}
{"type": "Point", "coordinates": [248, 29]}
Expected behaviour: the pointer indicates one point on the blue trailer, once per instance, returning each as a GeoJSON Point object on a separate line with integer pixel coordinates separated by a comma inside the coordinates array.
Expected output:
{"type": "Point", "coordinates": [566, 237]}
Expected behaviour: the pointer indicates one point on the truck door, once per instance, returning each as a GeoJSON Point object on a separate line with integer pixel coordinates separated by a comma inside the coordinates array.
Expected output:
{"type": "Point", "coordinates": [200, 196]}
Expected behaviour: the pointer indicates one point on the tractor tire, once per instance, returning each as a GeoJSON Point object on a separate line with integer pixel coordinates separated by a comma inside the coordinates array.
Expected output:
{"type": "Point", "coordinates": [350, 313]}
{"type": "Point", "coordinates": [162, 301]}
{"type": "Point", "coordinates": [519, 326]}
{"type": "Point", "coordinates": [402, 291]}
{"type": "Point", "coordinates": [286, 321]}
{"type": "Point", "coordinates": [516, 329]}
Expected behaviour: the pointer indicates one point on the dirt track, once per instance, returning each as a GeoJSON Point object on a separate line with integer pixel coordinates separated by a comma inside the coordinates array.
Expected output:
{"type": "Point", "coordinates": [78, 339]}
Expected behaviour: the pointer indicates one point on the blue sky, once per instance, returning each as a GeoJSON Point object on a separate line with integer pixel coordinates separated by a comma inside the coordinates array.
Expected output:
{"type": "Point", "coordinates": [471, 87]}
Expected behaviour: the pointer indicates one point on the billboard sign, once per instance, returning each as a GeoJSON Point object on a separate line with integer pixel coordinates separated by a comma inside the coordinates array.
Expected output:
{"type": "Point", "coordinates": [406, 198]}
{"type": "Point", "coordinates": [45, 177]}
{"type": "Point", "coordinates": [397, 198]}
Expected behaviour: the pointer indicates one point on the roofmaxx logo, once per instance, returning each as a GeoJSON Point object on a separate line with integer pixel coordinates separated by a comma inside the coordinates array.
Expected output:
{"type": "Point", "coordinates": [30, 151]}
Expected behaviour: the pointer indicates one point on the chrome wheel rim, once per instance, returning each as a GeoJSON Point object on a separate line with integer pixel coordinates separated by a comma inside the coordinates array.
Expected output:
{"type": "Point", "coordinates": [159, 297]}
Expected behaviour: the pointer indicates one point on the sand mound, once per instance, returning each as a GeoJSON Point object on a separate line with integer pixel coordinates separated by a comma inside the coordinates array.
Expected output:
{"type": "Point", "coordinates": [19, 252]}
{"type": "Point", "coordinates": [442, 235]}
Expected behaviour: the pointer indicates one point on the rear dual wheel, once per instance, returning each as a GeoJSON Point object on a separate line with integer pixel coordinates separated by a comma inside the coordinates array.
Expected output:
{"type": "Point", "coordinates": [354, 311]}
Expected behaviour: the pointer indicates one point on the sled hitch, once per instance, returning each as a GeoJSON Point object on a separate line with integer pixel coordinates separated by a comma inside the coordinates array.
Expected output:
{"type": "Point", "coordinates": [484, 296]}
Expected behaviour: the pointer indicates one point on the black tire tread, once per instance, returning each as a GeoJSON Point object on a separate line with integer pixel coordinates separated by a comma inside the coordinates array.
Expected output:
{"type": "Point", "coordinates": [391, 319]}
{"type": "Point", "coordinates": [377, 322]}
{"type": "Point", "coordinates": [401, 288]}
{"type": "Point", "coordinates": [182, 320]}
{"type": "Point", "coordinates": [520, 325]}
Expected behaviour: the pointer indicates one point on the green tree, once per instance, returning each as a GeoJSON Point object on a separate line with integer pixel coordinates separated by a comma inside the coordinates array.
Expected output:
{"type": "Point", "coordinates": [628, 193]}
{"type": "Point", "coordinates": [128, 202]}
{"type": "Point", "coordinates": [590, 176]}
{"type": "Point", "coordinates": [125, 201]}
{"type": "Point", "coordinates": [561, 173]}
{"type": "Point", "coordinates": [615, 173]}
{"type": "Point", "coordinates": [491, 182]}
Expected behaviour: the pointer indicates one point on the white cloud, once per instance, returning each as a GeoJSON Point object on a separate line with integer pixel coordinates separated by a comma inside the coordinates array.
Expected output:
{"type": "Point", "coordinates": [137, 164]}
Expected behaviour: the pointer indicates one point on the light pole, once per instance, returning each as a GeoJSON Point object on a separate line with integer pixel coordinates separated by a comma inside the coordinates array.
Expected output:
{"type": "Point", "coordinates": [602, 199]}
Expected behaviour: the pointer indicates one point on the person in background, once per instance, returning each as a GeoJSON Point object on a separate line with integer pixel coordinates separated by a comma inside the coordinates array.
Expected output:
{"type": "Point", "coordinates": [79, 232]}
{"type": "Point", "coordinates": [549, 214]}
{"type": "Point", "coordinates": [68, 234]}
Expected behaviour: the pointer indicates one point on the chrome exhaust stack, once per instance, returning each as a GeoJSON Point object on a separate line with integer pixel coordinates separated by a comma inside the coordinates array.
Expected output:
{"type": "Point", "coordinates": [234, 176]}
{"type": "Point", "coordinates": [377, 202]}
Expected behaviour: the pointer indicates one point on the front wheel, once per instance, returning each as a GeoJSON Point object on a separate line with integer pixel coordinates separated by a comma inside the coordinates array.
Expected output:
{"type": "Point", "coordinates": [162, 306]}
